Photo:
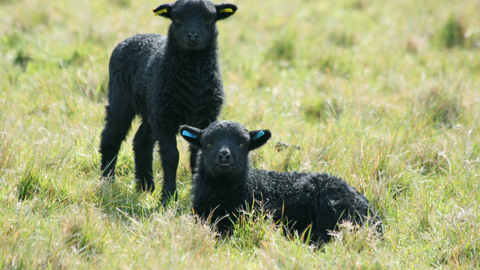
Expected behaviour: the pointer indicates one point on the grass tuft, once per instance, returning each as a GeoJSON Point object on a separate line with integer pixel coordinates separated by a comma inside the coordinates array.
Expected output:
{"type": "Point", "coordinates": [342, 39]}
{"type": "Point", "coordinates": [122, 3]}
{"type": "Point", "coordinates": [22, 59]}
{"type": "Point", "coordinates": [83, 234]}
{"type": "Point", "coordinates": [430, 159]}
{"type": "Point", "coordinates": [452, 34]}
{"type": "Point", "coordinates": [77, 58]}
{"type": "Point", "coordinates": [354, 238]}
{"type": "Point", "coordinates": [442, 108]}
{"type": "Point", "coordinates": [282, 47]}
{"type": "Point", "coordinates": [29, 184]}
{"type": "Point", "coordinates": [250, 230]}
{"type": "Point", "coordinates": [321, 109]}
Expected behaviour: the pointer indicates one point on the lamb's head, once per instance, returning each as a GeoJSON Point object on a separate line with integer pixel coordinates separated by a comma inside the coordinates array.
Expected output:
{"type": "Point", "coordinates": [224, 146]}
{"type": "Point", "coordinates": [193, 21]}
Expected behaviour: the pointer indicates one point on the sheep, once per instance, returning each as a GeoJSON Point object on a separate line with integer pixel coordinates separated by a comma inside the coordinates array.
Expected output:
{"type": "Point", "coordinates": [224, 183]}
{"type": "Point", "coordinates": [167, 81]}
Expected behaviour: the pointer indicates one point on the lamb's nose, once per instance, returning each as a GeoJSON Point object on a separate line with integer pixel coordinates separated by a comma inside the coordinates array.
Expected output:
{"type": "Point", "coordinates": [193, 35]}
{"type": "Point", "coordinates": [224, 155]}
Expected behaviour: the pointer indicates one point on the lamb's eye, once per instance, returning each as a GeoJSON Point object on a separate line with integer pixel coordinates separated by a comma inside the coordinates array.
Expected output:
{"type": "Point", "coordinates": [208, 145]}
{"type": "Point", "coordinates": [209, 21]}
{"type": "Point", "coordinates": [178, 21]}
{"type": "Point", "coordinates": [243, 146]}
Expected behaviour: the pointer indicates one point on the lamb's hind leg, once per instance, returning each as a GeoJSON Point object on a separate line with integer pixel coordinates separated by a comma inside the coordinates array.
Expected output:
{"type": "Point", "coordinates": [117, 124]}
{"type": "Point", "coordinates": [143, 144]}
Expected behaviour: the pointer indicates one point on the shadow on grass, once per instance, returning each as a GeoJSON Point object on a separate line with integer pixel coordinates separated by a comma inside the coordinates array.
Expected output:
{"type": "Point", "coordinates": [129, 204]}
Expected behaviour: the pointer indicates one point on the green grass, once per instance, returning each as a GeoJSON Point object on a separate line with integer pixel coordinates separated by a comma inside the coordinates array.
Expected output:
{"type": "Point", "coordinates": [385, 94]}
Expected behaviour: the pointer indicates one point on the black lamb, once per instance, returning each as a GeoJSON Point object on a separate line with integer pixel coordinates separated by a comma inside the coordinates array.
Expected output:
{"type": "Point", "coordinates": [167, 81]}
{"type": "Point", "coordinates": [224, 183]}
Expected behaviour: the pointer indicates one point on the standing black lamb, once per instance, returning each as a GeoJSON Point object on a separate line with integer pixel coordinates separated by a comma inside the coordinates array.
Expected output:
{"type": "Point", "coordinates": [224, 183]}
{"type": "Point", "coordinates": [168, 81]}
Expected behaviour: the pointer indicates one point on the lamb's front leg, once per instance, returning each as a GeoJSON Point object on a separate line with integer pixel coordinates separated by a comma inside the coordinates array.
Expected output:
{"type": "Point", "coordinates": [169, 156]}
{"type": "Point", "coordinates": [193, 150]}
{"type": "Point", "coordinates": [193, 158]}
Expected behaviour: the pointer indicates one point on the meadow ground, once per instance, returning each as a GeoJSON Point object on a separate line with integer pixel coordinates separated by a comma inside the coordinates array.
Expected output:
{"type": "Point", "coordinates": [385, 94]}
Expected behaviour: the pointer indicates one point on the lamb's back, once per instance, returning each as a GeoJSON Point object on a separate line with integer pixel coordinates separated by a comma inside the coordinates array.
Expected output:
{"type": "Point", "coordinates": [130, 69]}
{"type": "Point", "coordinates": [134, 56]}
{"type": "Point", "coordinates": [306, 197]}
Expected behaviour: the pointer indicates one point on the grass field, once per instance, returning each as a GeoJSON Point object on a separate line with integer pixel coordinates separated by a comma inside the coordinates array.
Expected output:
{"type": "Point", "coordinates": [385, 94]}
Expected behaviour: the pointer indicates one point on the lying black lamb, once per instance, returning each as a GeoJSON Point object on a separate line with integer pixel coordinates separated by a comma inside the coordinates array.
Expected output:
{"type": "Point", "coordinates": [224, 182]}
{"type": "Point", "coordinates": [168, 81]}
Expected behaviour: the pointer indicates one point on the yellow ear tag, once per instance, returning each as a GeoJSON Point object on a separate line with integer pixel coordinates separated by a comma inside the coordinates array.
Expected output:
{"type": "Point", "coordinates": [226, 10]}
{"type": "Point", "coordinates": [161, 11]}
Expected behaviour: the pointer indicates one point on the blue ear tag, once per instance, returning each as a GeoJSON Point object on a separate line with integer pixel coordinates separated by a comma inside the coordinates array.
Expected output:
{"type": "Point", "coordinates": [189, 134]}
{"type": "Point", "coordinates": [258, 135]}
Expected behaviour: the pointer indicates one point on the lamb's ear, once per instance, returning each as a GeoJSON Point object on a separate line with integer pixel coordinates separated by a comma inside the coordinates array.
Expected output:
{"type": "Point", "coordinates": [259, 138]}
{"type": "Point", "coordinates": [164, 10]}
{"type": "Point", "coordinates": [191, 135]}
{"type": "Point", "coordinates": [225, 10]}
